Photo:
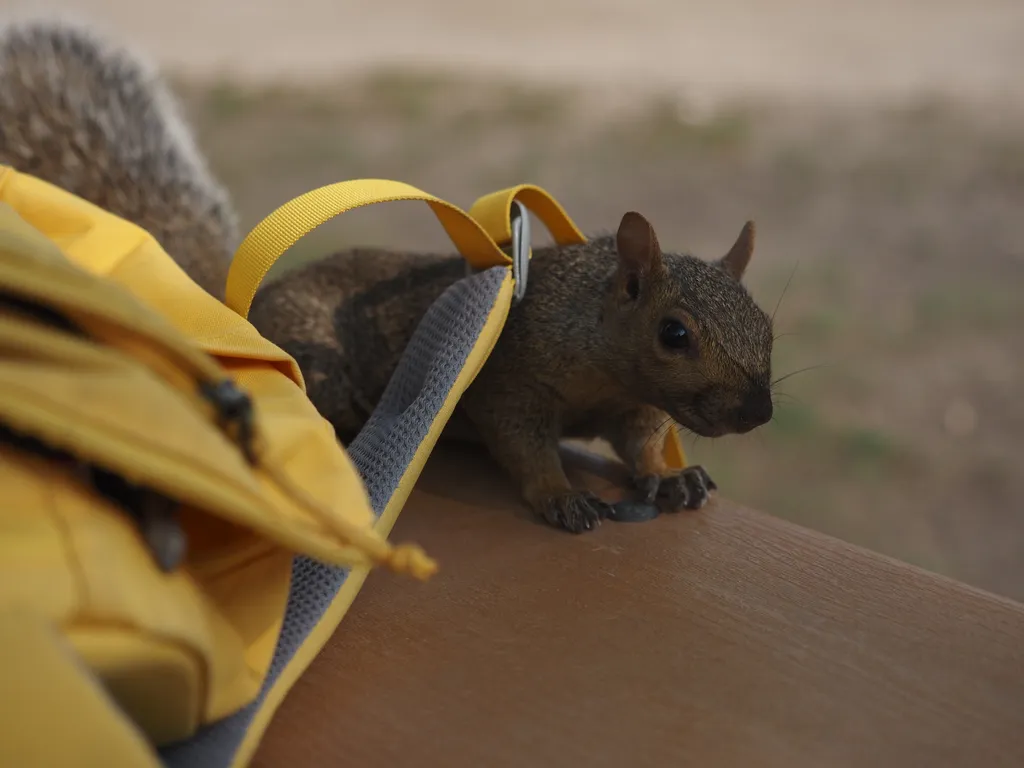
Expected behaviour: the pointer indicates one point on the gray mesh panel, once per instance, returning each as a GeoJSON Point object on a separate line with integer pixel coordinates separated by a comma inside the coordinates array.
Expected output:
{"type": "Point", "coordinates": [381, 452]}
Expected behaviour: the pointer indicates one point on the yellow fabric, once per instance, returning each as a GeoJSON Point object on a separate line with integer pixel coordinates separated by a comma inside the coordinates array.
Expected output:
{"type": "Point", "coordinates": [50, 714]}
{"type": "Point", "coordinates": [175, 650]}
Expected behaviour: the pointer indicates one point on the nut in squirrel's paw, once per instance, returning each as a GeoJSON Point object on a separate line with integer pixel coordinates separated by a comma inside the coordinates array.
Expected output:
{"type": "Point", "coordinates": [575, 512]}
{"type": "Point", "coordinates": [688, 489]}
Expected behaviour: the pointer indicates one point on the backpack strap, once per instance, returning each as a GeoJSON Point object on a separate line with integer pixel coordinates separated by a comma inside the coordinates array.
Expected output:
{"type": "Point", "coordinates": [279, 231]}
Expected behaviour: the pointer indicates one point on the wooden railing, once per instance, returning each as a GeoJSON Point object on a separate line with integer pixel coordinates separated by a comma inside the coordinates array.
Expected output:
{"type": "Point", "coordinates": [719, 638]}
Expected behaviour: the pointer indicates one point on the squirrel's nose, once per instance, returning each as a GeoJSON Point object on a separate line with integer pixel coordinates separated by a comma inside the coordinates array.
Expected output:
{"type": "Point", "coordinates": [755, 410]}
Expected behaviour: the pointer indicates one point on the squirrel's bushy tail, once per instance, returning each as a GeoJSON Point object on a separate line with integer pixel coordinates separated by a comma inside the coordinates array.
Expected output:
{"type": "Point", "coordinates": [94, 119]}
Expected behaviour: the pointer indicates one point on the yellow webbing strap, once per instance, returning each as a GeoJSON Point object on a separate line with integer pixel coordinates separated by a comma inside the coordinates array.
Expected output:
{"type": "Point", "coordinates": [279, 231]}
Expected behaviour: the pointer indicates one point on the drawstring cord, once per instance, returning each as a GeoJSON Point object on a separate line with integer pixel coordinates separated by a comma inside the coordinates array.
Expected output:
{"type": "Point", "coordinates": [237, 416]}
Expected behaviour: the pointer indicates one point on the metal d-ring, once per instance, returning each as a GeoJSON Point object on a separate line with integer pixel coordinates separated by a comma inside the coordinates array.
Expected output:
{"type": "Point", "coordinates": [520, 220]}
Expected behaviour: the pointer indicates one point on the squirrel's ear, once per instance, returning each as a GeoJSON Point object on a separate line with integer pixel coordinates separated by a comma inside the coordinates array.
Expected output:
{"type": "Point", "coordinates": [736, 260]}
{"type": "Point", "coordinates": [639, 252]}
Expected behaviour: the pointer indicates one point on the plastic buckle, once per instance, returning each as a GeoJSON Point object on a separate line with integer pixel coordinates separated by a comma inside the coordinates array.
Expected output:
{"type": "Point", "coordinates": [520, 220]}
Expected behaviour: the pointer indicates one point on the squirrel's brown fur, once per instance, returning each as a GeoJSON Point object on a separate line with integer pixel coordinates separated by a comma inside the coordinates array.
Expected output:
{"type": "Point", "coordinates": [580, 356]}
{"type": "Point", "coordinates": [93, 119]}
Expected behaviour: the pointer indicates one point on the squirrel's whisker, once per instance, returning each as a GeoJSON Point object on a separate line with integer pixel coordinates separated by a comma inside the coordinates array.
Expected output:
{"type": "Point", "coordinates": [661, 431]}
{"type": "Point", "coordinates": [786, 288]}
{"type": "Point", "coordinates": [794, 373]}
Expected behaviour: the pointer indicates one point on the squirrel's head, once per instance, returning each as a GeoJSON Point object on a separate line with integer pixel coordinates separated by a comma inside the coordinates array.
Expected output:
{"type": "Point", "coordinates": [693, 341]}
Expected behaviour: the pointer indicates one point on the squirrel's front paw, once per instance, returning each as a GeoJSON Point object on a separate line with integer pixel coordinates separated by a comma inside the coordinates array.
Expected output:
{"type": "Point", "coordinates": [688, 489]}
{"type": "Point", "coordinates": [575, 512]}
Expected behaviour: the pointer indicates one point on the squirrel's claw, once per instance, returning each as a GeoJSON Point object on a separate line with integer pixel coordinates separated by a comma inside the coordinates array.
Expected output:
{"type": "Point", "coordinates": [575, 512]}
{"type": "Point", "coordinates": [689, 489]}
{"type": "Point", "coordinates": [648, 487]}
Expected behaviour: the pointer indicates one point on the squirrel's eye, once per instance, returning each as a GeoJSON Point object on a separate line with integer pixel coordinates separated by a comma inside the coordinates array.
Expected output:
{"type": "Point", "coordinates": [674, 335]}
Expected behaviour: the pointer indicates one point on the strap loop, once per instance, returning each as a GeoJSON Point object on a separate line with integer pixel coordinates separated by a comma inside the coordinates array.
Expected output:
{"type": "Point", "coordinates": [494, 212]}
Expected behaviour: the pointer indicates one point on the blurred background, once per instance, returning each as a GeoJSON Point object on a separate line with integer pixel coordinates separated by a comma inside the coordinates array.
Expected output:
{"type": "Point", "coordinates": [878, 145]}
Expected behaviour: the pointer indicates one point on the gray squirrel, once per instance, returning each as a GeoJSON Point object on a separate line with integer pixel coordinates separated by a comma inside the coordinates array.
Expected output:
{"type": "Point", "coordinates": [614, 339]}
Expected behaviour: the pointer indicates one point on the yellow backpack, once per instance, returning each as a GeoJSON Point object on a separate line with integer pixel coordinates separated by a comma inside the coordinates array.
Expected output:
{"type": "Point", "coordinates": [134, 407]}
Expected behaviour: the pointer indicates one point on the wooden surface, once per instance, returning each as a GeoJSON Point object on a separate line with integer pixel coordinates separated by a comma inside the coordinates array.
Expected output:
{"type": "Point", "coordinates": [718, 638]}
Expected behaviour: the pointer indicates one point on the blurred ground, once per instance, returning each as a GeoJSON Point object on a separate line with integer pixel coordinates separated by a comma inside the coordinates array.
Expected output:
{"type": "Point", "coordinates": [783, 47]}
{"type": "Point", "coordinates": [879, 147]}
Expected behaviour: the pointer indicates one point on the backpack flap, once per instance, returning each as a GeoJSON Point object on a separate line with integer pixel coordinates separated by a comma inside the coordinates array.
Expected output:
{"type": "Point", "coordinates": [106, 415]}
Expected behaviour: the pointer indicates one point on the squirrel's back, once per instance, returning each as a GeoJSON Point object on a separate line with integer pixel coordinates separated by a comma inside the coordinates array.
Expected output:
{"type": "Point", "coordinates": [93, 119]}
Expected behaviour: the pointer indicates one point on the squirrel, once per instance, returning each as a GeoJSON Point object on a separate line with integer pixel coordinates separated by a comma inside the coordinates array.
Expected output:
{"type": "Point", "coordinates": [96, 120]}
{"type": "Point", "coordinates": [614, 338]}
